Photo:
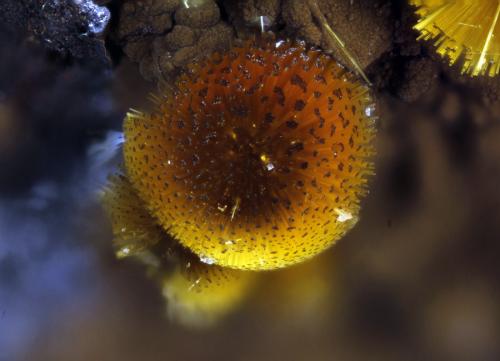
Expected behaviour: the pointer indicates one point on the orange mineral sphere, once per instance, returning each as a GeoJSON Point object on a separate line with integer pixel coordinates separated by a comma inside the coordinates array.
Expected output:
{"type": "Point", "coordinates": [258, 159]}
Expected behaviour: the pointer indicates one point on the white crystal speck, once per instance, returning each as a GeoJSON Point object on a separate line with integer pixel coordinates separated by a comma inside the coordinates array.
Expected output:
{"type": "Point", "coordinates": [207, 260]}
{"type": "Point", "coordinates": [343, 215]}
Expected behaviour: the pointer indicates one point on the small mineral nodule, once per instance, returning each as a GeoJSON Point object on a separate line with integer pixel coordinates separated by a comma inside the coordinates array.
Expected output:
{"type": "Point", "coordinates": [198, 295]}
{"type": "Point", "coordinates": [197, 292]}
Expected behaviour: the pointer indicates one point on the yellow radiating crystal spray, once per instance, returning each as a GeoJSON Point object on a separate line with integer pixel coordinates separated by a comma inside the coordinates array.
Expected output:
{"type": "Point", "coordinates": [467, 28]}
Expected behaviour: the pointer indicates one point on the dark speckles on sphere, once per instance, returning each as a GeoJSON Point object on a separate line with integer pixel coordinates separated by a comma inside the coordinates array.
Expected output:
{"type": "Point", "coordinates": [266, 152]}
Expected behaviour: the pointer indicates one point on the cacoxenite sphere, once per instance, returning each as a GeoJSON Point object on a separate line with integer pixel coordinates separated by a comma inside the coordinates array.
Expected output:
{"type": "Point", "coordinates": [259, 157]}
{"type": "Point", "coordinates": [134, 229]}
{"type": "Point", "coordinates": [198, 294]}
{"type": "Point", "coordinates": [467, 30]}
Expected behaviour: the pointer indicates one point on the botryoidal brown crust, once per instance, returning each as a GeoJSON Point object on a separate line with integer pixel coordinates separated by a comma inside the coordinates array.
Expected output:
{"type": "Point", "coordinates": [364, 25]}
{"type": "Point", "coordinates": [164, 35]}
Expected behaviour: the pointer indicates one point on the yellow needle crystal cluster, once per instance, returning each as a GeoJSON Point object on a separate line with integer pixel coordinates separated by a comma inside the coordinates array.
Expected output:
{"type": "Point", "coordinates": [257, 159]}
{"type": "Point", "coordinates": [463, 29]}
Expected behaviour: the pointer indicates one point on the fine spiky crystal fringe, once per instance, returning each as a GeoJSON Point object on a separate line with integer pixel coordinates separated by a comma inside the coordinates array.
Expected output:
{"type": "Point", "coordinates": [467, 29]}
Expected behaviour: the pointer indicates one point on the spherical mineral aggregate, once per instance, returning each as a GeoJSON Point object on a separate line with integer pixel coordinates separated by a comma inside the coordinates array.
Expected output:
{"type": "Point", "coordinates": [134, 229]}
{"type": "Point", "coordinates": [258, 160]}
{"type": "Point", "coordinates": [198, 294]}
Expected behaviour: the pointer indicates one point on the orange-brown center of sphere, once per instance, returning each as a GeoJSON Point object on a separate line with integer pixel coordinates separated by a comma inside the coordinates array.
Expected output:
{"type": "Point", "coordinates": [258, 159]}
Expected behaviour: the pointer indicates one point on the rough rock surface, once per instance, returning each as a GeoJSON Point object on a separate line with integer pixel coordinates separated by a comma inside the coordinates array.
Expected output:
{"type": "Point", "coordinates": [164, 35]}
